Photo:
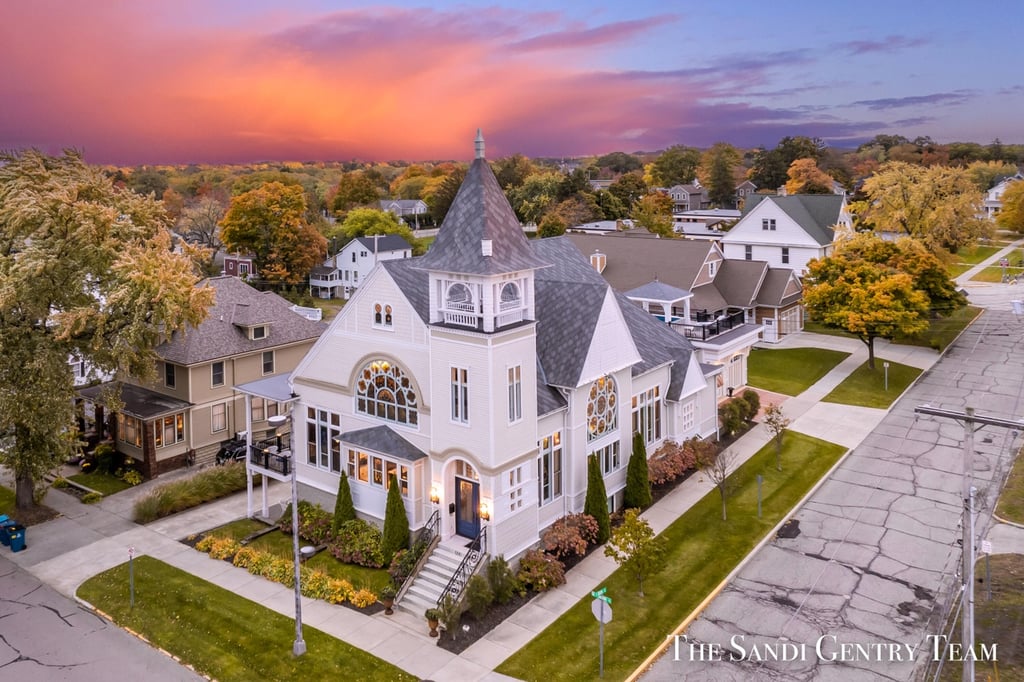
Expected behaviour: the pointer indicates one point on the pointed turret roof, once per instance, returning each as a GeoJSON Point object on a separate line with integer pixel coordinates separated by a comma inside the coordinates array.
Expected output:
{"type": "Point", "coordinates": [480, 221]}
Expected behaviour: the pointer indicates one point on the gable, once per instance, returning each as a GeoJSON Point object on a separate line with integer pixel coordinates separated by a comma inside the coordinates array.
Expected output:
{"type": "Point", "coordinates": [611, 346]}
{"type": "Point", "coordinates": [749, 229]}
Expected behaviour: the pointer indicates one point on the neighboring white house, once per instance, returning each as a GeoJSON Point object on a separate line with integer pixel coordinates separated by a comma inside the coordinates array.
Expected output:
{"type": "Point", "coordinates": [787, 231]}
{"type": "Point", "coordinates": [483, 374]}
{"type": "Point", "coordinates": [342, 273]}
{"type": "Point", "coordinates": [994, 196]}
{"type": "Point", "coordinates": [407, 210]}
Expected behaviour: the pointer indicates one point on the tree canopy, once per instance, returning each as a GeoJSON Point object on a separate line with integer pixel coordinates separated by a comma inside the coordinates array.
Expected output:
{"type": "Point", "coordinates": [875, 288]}
{"type": "Point", "coordinates": [1011, 217]}
{"type": "Point", "coordinates": [717, 173]}
{"type": "Point", "coordinates": [87, 272]}
{"type": "Point", "coordinates": [677, 165]}
{"type": "Point", "coordinates": [364, 222]}
{"type": "Point", "coordinates": [806, 178]}
{"type": "Point", "coordinates": [938, 205]}
{"type": "Point", "coordinates": [270, 222]}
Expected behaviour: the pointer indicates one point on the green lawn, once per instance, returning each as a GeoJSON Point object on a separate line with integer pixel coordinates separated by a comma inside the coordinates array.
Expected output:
{"type": "Point", "coordinates": [942, 330]}
{"type": "Point", "coordinates": [221, 634]}
{"type": "Point", "coordinates": [994, 273]}
{"type": "Point", "coordinates": [280, 544]}
{"type": "Point", "coordinates": [867, 387]}
{"type": "Point", "coordinates": [976, 254]}
{"type": "Point", "coordinates": [100, 482]}
{"type": "Point", "coordinates": [7, 501]}
{"type": "Point", "coordinates": [958, 269]}
{"type": "Point", "coordinates": [1011, 499]}
{"type": "Point", "coordinates": [702, 550]}
{"type": "Point", "coordinates": [790, 370]}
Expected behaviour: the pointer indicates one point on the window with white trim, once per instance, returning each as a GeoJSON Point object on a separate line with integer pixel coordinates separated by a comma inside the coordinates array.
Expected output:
{"type": "Point", "coordinates": [785, 255]}
{"type": "Point", "coordinates": [382, 315]}
{"type": "Point", "coordinates": [515, 393]}
{"type": "Point", "coordinates": [384, 391]}
{"type": "Point", "coordinates": [608, 457]}
{"type": "Point", "coordinates": [129, 430]}
{"type": "Point", "coordinates": [647, 414]}
{"type": "Point", "coordinates": [257, 411]}
{"type": "Point", "coordinates": [323, 439]}
{"type": "Point", "coordinates": [514, 488]}
{"type": "Point", "coordinates": [549, 468]}
{"type": "Point", "coordinates": [217, 373]}
{"type": "Point", "coordinates": [711, 268]}
{"type": "Point", "coordinates": [748, 252]}
{"type": "Point", "coordinates": [768, 224]}
{"type": "Point", "coordinates": [377, 470]}
{"type": "Point", "coordinates": [688, 414]}
{"type": "Point", "coordinates": [259, 333]}
{"type": "Point", "coordinates": [602, 408]}
{"type": "Point", "coordinates": [268, 362]}
{"type": "Point", "coordinates": [219, 417]}
{"type": "Point", "coordinates": [169, 430]}
{"type": "Point", "coordinates": [460, 395]}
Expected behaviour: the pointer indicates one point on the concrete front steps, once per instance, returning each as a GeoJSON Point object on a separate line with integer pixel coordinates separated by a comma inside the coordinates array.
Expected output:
{"type": "Point", "coordinates": [427, 586]}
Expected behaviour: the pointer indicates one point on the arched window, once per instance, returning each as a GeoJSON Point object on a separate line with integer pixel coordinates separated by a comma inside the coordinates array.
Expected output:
{"type": "Point", "coordinates": [602, 408]}
{"type": "Point", "coordinates": [387, 316]}
{"type": "Point", "coordinates": [384, 391]}
{"type": "Point", "coordinates": [510, 297]}
{"type": "Point", "coordinates": [377, 318]}
{"type": "Point", "coordinates": [381, 315]}
{"type": "Point", "coordinates": [459, 297]}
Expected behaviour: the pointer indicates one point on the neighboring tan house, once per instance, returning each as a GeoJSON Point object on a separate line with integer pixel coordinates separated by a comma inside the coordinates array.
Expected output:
{"type": "Point", "coordinates": [787, 231]}
{"type": "Point", "coordinates": [723, 306]}
{"type": "Point", "coordinates": [193, 407]}
{"type": "Point", "coordinates": [341, 273]}
{"type": "Point", "coordinates": [505, 363]}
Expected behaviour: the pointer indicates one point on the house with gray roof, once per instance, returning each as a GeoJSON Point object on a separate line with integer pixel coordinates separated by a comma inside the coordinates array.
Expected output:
{"type": "Point", "coordinates": [408, 211]}
{"type": "Point", "coordinates": [502, 365]}
{"type": "Point", "coordinates": [788, 231]}
{"type": "Point", "coordinates": [339, 276]}
{"type": "Point", "coordinates": [193, 406]}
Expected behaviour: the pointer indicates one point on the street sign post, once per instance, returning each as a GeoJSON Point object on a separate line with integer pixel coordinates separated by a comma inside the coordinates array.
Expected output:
{"type": "Point", "coordinates": [601, 607]}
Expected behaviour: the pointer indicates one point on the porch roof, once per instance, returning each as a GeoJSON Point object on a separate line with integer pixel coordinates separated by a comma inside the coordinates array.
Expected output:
{"type": "Point", "coordinates": [274, 388]}
{"type": "Point", "coordinates": [384, 440]}
{"type": "Point", "coordinates": [139, 402]}
{"type": "Point", "coordinates": [658, 292]}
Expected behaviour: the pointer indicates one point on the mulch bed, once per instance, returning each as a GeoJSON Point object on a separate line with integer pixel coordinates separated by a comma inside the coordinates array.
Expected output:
{"type": "Point", "coordinates": [470, 629]}
{"type": "Point", "coordinates": [36, 515]}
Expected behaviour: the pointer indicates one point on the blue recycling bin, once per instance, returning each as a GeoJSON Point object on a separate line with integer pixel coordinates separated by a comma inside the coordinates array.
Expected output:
{"type": "Point", "coordinates": [4, 523]}
{"type": "Point", "coordinates": [16, 534]}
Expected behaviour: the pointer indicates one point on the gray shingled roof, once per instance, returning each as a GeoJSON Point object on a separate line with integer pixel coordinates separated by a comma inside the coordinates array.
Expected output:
{"type": "Point", "coordinates": [631, 263]}
{"type": "Point", "coordinates": [707, 298]}
{"type": "Point", "coordinates": [138, 401]}
{"type": "Point", "coordinates": [223, 334]}
{"type": "Point", "coordinates": [657, 344]}
{"type": "Point", "coordinates": [414, 283]}
{"type": "Point", "coordinates": [383, 242]}
{"type": "Point", "coordinates": [739, 281]}
{"type": "Point", "coordinates": [549, 398]}
{"type": "Point", "coordinates": [479, 212]}
{"type": "Point", "coordinates": [384, 440]}
{"type": "Point", "coordinates": [658, 291]}
{"type": "Point", "coordinates": [774, 288]}
{"type": "Point", "coordinates": [815, 213]}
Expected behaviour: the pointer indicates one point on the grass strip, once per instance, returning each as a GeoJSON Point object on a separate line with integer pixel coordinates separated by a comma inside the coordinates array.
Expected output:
{"type": "Point", "coordinates": [867, 387]}
{"type": "Point", "coordinates": [702, 550]}
{"type": "Point", "coordinates": [1011, 499]}
{"type": "Point", "coordinates": [7, 501]}
{"type": "Point", "coordinates": [222, 635]}
{"type": "Point", "coordinates": [790, 371]}
{"type": "Point", "coordinates": [101, 483]}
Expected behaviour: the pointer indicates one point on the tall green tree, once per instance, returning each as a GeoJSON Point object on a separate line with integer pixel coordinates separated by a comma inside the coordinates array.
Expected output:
{"type": "Point", "coordinates": [654, 213]}
{"type": "Point", "coordinates": [629, 189]}
{"type": "Point", "coordinates": [619, 162]}
{"type": "Point", "coordinates": [677, 165]}
{"type": "Point", "coordinates": [441, 198]}
{"type": "Point", "coordinates": [596, 503]}
{"type": "Point", "coordinates": [717, 172]}
{"type": "Point", "coordinates": [86, 271]}
{"type": "Point", "coordinates": [512, 171]}
{"type": "Point", "coordinates": [638, 484]}
{"type": "Point", "coordinates": [938, 205]}
{"type": "Point", "coordinates": [366, 222]}
{"type": "Point", "coordinates": [344, 509]}
{"type": "Point", "coordinates": [806, 178]}
{"type": "Point", "coordinates": [396, 523]}
{"type": "Point", "coordinates": [536, 196]}
{"type": "Point", "coordinates": [868, 290]}
{"type": "Point", "coordinates": [270, 222]}
{"type": "Point", "coordinates": [355, 188]}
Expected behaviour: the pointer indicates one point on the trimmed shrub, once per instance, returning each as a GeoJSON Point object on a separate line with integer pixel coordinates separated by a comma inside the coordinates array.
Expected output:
{"type": "Point", "coordinates": [596, 504]}
{"type": "Point", "coordinates": [571, 534]}
{"type": "Point", "coordinates": [344, 509]}
{"type": "Point", "coordinates": [396, 522]}
{"type": "Point", "coordinates": [502, 581]}
{"type": "Point", "coordinates": [91, 498]}
{"type": "Point", "coordinates": [539, 571]}
{"type": "Point", "coordinates": [638, 485]}
{"type": "Point", "coordinates": [105, 458]}
{"type": "Point", "coordinates": [752, 400]}
{"type": "Point", "coordinates": [359, 543]}
{"type": "Point", "coordinates": [362, 598]}
{"type": "Point", "coordinates": [479, 596]}
{"type": "Point", "coordinates": [730, 416]}
{"type": "Point", "coordinates": [132, 477]}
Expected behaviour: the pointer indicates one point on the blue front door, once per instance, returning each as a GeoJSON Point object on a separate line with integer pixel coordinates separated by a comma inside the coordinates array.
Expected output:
{"type": "Point", "coordinates": [467, 508]}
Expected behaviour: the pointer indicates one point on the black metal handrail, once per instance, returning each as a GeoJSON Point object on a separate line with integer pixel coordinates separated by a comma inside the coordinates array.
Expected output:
{"type": "Point", "coordinates": [466, 569]}
{"type": "Point", "coordinates": [430, 529]}
{"type": "Point", "coordinates": [261, 455]}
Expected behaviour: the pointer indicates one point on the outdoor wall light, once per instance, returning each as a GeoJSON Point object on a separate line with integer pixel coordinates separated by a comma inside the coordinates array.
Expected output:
{"type": "Point", "coordinates": [435, 497]}
{"type": "Point", "coordinates": [485, 511]}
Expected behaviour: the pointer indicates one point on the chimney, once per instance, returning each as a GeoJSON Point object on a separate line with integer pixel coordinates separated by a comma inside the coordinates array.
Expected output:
{"type": "Point", "coordinates": [598, 261]}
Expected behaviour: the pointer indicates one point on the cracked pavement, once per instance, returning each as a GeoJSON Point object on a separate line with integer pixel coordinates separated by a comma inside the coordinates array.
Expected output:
{"type": "Point", "coordinates": [877, 554]}
{"type": "Point", "coordinates": [45, 636]}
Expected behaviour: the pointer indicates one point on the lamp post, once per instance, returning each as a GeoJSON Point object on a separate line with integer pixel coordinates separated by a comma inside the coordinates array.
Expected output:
{"type": "Point", "coordinates": [299, 647]}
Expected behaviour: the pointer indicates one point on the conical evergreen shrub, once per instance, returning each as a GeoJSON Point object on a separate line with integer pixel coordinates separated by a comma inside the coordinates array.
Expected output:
{"type": "Point", "coordinates": [597, 500]}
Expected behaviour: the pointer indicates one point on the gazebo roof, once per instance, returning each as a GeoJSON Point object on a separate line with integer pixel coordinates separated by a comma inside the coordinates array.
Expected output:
{"type": "Point", "coordinates": [658, 292]}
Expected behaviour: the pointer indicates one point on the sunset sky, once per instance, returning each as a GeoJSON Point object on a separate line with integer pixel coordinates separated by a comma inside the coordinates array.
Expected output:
{"type": "Point", "coordinates": [219, 81]}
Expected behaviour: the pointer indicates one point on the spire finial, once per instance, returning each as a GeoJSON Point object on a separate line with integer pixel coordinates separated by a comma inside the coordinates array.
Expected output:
{"type": "Point", "coordinates": [479, 144]}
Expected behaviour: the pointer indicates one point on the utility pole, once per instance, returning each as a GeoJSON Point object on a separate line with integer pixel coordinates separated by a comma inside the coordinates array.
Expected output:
{"type": "Point", "coordinates": [969, 419]}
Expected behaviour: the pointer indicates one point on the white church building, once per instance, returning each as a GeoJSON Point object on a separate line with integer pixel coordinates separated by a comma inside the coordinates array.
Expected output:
{"type": "Point", "coordinates": [483, 374]}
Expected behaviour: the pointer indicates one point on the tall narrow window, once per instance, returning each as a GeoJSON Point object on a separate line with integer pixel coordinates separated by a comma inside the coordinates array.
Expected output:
{"type": "Point", "coordinates": [169, 375]}
{"type": "Point", "coordinates": [515, 393]}
{"type": "Point", "coordinates": [647, 415]}
{"type": "Point", "coordinates": [217, 373]}
{"type": "Point", "coordinates": [602, 408]}
{"type": "Point", "coordinates": [219, 417]}
{"type": "Point", "coordinates": [268, 362]}
{"type": "Point", "coordinates": [460, 395]}
{"type": "Point", "coordinates": [549, 468]}
{"type": "Point", "coordinates": [785, 255]}
{"type": "Point", "coordinates": [748, 252]}
{"type": "Point", "coordinates": [257, 411]}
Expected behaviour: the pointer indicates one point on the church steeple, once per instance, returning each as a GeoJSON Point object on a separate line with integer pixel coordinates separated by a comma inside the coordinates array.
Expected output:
{"type": "Point", "coordinates": [479, 144]}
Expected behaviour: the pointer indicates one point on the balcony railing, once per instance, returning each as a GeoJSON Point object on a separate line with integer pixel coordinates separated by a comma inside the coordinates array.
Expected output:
{"type": "Point", "coordinates": [265, 454]}
{"type": "Point", "coordinates": [510, 305]}
{"type": "Point", "coordinates": [511, 317]}
{"type": "Point", "coordinates": [462, 319]}
{"type": "Point", "coordinates": [703, 329]}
